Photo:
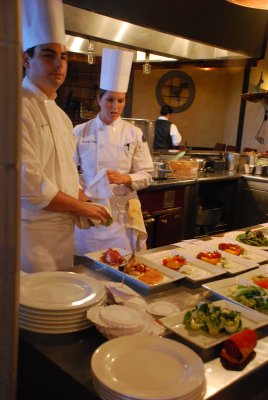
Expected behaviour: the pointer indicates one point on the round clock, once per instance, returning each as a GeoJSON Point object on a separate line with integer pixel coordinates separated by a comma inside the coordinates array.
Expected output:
{"type": "Point", "coordinates": [175, 89]}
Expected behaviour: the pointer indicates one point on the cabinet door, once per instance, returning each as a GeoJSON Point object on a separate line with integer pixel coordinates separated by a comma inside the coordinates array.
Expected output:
{"type": "Point", "coordinates": [253, 207]}
{"type": "Point", "coordinates": [167, 228]}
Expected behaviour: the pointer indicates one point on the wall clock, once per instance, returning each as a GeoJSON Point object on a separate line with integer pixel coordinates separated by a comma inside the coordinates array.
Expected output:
{"type": "Point", "coordinates": [175, 89]}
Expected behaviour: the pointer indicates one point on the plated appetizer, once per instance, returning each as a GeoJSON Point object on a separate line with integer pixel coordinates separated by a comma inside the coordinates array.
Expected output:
{"type": "Point", "coordinates": [212, 257]}
{"type": "Point", "coordinates": [141, 271]}
{"type": "Point", "coordinates": [261, 280]}
{"type": "Point", "coordinates": [234, 249]}
{"type": "Point", "coordinates": [212, 319]}
{"type": "Point", "coordinates": [174, 262]}
{"type": "Point", "coordinates": [251, 296]}
{"type": "Point", "coordinates": [253, 238]}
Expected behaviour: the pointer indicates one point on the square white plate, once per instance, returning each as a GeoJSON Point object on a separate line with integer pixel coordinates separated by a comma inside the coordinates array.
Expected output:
{"type": "Point", "coordinates": [230, 264]}
{"type": "Point", "coordinates": [169, 275]}
{"type": "Point", "coordinates": [223, 287]}
{"type": "Point", "coordinates": [252, 253]}
{"type": "Point", "coordinates": [250, 319]}
{"type": "Point", "coordinates": [195, 270]}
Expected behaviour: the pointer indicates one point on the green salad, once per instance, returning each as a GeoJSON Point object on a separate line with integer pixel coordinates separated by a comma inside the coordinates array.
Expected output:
{"type": "Point", "coordinates": [251, 296]}
{"type": "Point", "coordinates": [253, 238]}
{"type": "Point", "coordinates": [212, 319]}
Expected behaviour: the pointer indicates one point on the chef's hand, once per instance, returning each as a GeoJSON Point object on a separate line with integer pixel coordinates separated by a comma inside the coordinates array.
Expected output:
{"type": "Point", "coordinates": [117, 178]}
{"type": "Point", "coordinates": [94, 211]}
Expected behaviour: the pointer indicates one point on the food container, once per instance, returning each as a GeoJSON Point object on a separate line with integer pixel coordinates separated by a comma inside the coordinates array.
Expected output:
{"type": "Point", "coordinates": [201, 164]}
{"type": "Point", "coordinates": [161, 170]}
{"type": "Point", "coordinates": [232, 161]}
{"type": "Point", "coordinates": [248, 168]}
{"type": "Point", "coordinates": [252, 159]}
{"type": "Point", "coordinates": [183, 168]}
{"type": "Point", "coordinates": [258, 169]}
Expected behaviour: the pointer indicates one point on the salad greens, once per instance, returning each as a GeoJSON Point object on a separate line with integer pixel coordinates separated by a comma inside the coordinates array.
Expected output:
{"type": "Point", "coordinates": [212, 319]}
{"type": "Point", "coordinates": [251, 296]}
{"type": "Point", "coordinates": [253, 238]}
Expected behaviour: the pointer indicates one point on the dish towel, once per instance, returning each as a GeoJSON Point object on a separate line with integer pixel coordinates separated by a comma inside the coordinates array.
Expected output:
{"type": "Point", "coordinates": [86, 223]}
{"type": "Point", "coordinates": [99, 186]}
{"type": "Point", "coordinates": [135, 221]}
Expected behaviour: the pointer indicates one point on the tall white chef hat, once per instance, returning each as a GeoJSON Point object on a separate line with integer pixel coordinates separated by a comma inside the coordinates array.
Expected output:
{"type": "Point", "coordinates": [42, 22]}
{"type": "Point", "coordinates": [115, 70]}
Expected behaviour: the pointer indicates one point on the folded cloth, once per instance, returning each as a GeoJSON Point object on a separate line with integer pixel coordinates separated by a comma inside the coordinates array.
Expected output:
{"type": "Point", "coordinates": [86, 222]}
{"type": "Point", "coordinates": [99, 186]}
{"type": "Point", "coordinates": [122, 294]}
{"type": "Point", "coordinates": [136, 222]}
{"type": "Point", "coordinates": [238, 347]}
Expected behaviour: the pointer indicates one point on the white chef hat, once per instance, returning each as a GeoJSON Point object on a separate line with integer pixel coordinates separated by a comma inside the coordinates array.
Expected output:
{"type": "Point", "coordinates": [42, 22]}
{"type": "Point", "coordinates": [115, 70]}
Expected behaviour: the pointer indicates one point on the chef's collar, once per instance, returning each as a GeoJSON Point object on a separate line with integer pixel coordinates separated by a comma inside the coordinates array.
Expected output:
{"type": "Point", "coordinates": [114, 124]}
{"type": "Point", "coordinates": [163, 117]}
{"type": "Point", "coordinates": [28, 84]}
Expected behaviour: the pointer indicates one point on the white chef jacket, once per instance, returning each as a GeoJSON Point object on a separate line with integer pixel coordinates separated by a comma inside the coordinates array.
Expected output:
{"type": "Point", "coordinates": [47, 151]}
{"type": "Point", "coordinates": [174, 133]}
{"type": "Point", "coordinates": [120, 146]}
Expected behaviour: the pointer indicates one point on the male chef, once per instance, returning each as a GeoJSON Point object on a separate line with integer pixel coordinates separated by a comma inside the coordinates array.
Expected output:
{"type": "Point", "coordinates": [50, 196]}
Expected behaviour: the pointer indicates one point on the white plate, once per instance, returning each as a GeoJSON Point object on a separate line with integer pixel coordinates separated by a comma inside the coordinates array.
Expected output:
{"type": "Point", "coordinates": [233, 235]}
{"type": "Point", "coordinates": [194, 270]}
{"type": "Point", "coordinates": [250, 319]}
{"type": "Point", "coordinates": [169, 275]}
{"type": "Point", "coordinates": [60, 320]}
{"type": "Point", "coordinates": [252, 253]}
{"type": "Point", "coordinates": [144, 378]}
{"type": "Point", "coordinates": [222, 287]}
{"type": "Point", "coordinates": [59, 290]}
{"type": "Point", "coordinates": [229, 263]}
{"type": "Point", "coordinates": [55, 330]}
{"type": "Point", "coordinates": [162, 308]}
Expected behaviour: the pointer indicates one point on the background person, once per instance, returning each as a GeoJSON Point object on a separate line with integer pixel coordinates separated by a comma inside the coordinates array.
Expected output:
{"type": "Point", "coordinates": [49, 179]}
{"type": "Point", "coordinates": [115, 162]}
{"type": "Point", "coordinates": [166, 134]}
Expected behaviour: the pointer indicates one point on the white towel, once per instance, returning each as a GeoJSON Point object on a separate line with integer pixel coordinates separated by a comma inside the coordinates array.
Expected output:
{"type": "Point", "coordinates": [136, 222]}
{"type": "Point", "coordinates": [99, 186]}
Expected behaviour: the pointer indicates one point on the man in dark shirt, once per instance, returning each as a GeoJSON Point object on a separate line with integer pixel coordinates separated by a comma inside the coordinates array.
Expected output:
{"type": "Point", "coordinates": [166, 134]}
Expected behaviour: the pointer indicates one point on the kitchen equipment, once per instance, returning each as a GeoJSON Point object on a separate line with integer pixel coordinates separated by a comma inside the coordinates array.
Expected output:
{"type": "Point", "coordinates": [249, 168]}
{"type": "Point", "coordinates": [232, 161]}
{"type": "Point", "coordinates": [208, 213]}
{"type": "Point", "coordinates": [252, 159]}
{"type": "Point", "coordinates": [201, 164]}
{"type": "Point", "coordinates": [161, 170]}
{"type": "Point", "coordinates": [258, 169]}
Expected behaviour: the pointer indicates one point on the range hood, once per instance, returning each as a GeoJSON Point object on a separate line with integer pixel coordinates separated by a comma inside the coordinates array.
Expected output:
{"type": "Point", "coordinates": [87, 24]}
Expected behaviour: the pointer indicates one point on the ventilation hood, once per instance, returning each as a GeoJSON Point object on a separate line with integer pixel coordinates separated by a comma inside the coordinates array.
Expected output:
{"type": "Point", "coordinates": [86, 24]}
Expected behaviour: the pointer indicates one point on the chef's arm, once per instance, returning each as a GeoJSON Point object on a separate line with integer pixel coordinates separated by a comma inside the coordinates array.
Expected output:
{"type": "Point", "coordinates": [118, 179]}
{"type": "Point", "coordinates": [64, 203]}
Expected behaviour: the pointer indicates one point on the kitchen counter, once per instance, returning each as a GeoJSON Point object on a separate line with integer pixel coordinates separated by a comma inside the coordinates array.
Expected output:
{"type": "Point", "coordinates": [58, 366]}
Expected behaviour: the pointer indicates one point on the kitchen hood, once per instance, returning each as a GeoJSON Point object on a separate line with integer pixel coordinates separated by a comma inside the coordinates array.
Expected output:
{"type": "Point", "coordinates": [82, 24]}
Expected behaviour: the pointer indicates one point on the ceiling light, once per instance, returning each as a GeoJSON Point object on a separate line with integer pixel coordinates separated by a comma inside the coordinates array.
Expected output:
{"type": "Point", "coordinates": [261, 4]}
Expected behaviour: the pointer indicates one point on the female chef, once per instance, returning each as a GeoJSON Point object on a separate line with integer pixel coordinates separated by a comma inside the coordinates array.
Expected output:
{"type": "Point", "coordinates": [115, 162]}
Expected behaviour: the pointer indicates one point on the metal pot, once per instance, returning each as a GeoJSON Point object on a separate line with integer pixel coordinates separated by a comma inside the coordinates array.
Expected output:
{"type": "Point", "coordinates": [161, 170]}
{"type": "Point", "coordinates": [201, 164]}
{"type": "Point", "coordinates": [232, 161]}
{"type": "Point", "coordinates": [208, 216]}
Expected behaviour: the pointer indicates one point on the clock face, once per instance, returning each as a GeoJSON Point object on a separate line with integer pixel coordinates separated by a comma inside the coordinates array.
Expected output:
{"type": "Point", "coordinates": [175, 89]}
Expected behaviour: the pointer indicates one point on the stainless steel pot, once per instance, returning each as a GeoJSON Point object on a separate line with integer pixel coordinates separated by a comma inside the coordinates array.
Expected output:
{"type": "Point", "coordinates": [208, 216]}
{"type": "Point", "coordinates": [232, 161]}
{"type": "Point", "coordinates": [201, 164]}
{"type": "Point", "coordinates": [161, 170]}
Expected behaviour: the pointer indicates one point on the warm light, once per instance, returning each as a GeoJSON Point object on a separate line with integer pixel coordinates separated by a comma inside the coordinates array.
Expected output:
{"type": "Point", "coordinates": [262, 4]}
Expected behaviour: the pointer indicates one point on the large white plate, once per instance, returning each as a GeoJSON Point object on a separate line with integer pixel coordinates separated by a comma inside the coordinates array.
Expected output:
{"type": "Point", "coordinates": [59, 290]}
{"type": "Point", "coordinates": [169, 275]}
{"type": "Point", "coordinates": [54, 330]}
{"type": "Point", "coordinates": [223, 287]}
{"type": "Point", "coordinates": [157, 368]}
{"type": "Point", "coordinates": [250, 319]}
{"type": "Point", "coordinates": [230, 264]}
{"type": "Point", "coordinates": [252, 253]}
{"type": "Point", "coordinates": [194, 270]}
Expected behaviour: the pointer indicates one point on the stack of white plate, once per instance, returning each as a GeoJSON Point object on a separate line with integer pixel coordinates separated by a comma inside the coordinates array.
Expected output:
{"type": "Point", "coordinates": [57, 302]}
{"type": "Point", "coordinates": [147, 368]}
